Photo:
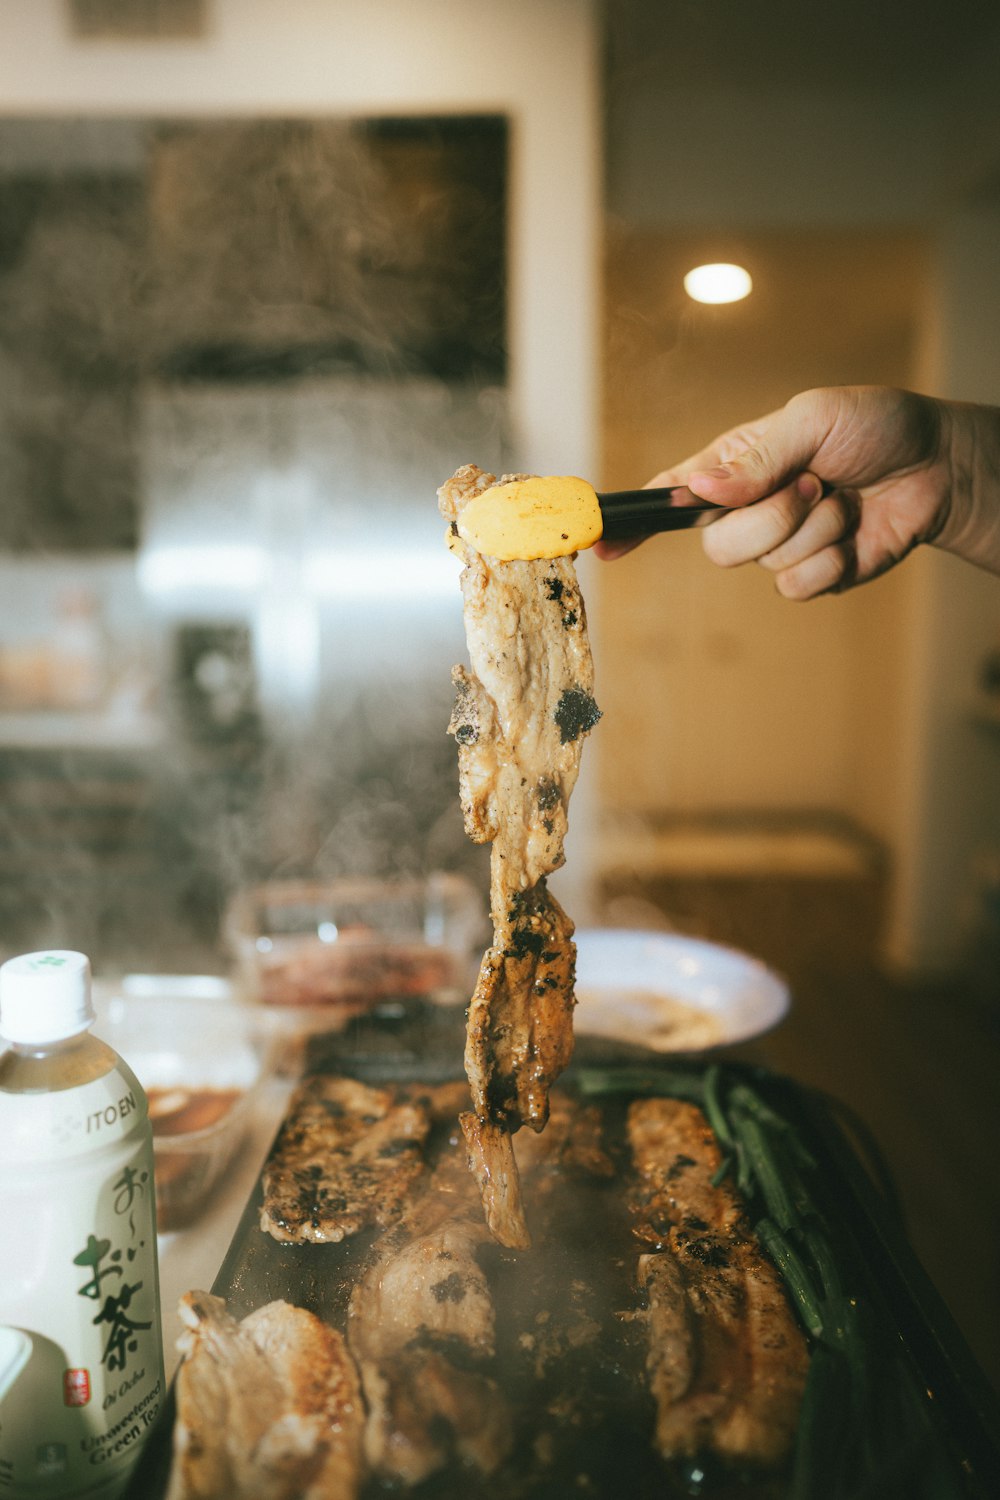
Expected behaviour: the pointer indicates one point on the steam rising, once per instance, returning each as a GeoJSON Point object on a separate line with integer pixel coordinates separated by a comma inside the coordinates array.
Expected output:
{"type": "Point", "coordinates": [264, 340]}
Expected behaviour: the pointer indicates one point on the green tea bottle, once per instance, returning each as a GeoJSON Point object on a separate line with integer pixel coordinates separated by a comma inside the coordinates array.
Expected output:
{"type": "Point", "coordinates": [79, 1293]}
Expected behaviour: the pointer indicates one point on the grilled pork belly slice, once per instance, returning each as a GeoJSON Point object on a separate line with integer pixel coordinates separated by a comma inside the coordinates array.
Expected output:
{"type": "Point", "coordinates": [522, 711]}
{"type": "Point", "coordinates": [490, 1154]}
{"type": "Point", "coordinates": [727, 1362]}
{"type": "Point", "coordinates": [431, 1285]}
{"type": "Point", "coordinates": [421, 1324]}
{"type": "Point", "coordinates": [519, 1037]}
{"type": "Point", "coordinates": [425, 1412]}
{"type": "Point", "coordinates": [570, 1145]}
{"type": "Point", "coordinates": [267, 1409]}
{"type": "Point", "coordinates": [520, 1020]}
{"type": "Point", "coordinates": [346, 1157]}
{"type": "Point", "coordinates": [524, 707]}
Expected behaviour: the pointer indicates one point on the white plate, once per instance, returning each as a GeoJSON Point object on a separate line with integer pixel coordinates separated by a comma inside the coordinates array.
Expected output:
{"type": "Point", "coordinates": [673, 993]}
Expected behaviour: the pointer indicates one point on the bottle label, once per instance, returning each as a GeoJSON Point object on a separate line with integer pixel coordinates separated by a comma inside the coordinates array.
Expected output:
{"type": "Point", "coordinates": [67, 1122]}
{"type": "Point", "coordinates": [79, 1278]}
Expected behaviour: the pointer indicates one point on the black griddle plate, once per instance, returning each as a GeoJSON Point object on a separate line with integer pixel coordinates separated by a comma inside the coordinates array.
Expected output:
{"type": "Point", "coordinates": [425, 1045]}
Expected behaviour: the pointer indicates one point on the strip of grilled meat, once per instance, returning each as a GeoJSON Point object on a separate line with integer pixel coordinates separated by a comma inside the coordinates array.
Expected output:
{"type": "Point", "coordinates": [267, 1409]}
{"type": "Point", "coordinates": [520, 717]}
{"type": "Point", "coordinates": [490, 1154]}
{"type": "Point", "coordinates": [727, 1362]}
{"type": "Point", "coordinates": [421, 1320]}
{"type": "Point", "coordinates": [346, 1157]}
{"type": "Point", "coordinates": [421, 1324]}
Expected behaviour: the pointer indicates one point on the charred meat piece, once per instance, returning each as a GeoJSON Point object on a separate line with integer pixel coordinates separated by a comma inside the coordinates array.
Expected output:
{"type": "Point", "coordinates": [431, 1285]}
{"type": "Point", "coordinates": [346, 1157]}
{"type": "Point", "coordinates": [520, 1020]}
{"type": "Point", "coordinates": [571, 1147]}
{"type": "Point", "coordinates": [267, 1409]}
{"type": "Point", "coordinates": [522, 711]}
{"type": "Point", "coordinates": [519, 1037]}
{"type": "Point", "coordinates": [421, 1324]}
{"type": "Point", "coordinates": [425, 1412]}
{"type": "Point", "coordinates": [490, 1152]}
{"type": "Point", "coordinates": [727, 1362]}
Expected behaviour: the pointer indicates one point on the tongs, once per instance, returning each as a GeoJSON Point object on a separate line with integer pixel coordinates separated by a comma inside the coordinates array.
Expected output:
{"type": "Point", "coordinates": [554, 516]}
{"type": "Point", "coordinates": [628, 514]}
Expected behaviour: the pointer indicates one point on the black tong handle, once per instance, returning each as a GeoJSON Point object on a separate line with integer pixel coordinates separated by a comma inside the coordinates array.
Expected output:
{"type": "Point", "coordinates": [628, 514]}
{"type": "Point", "coordinates": [633, 513]}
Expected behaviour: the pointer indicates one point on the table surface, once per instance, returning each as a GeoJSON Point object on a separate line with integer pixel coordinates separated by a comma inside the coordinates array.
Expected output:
{"type": "Point", "coordinates": [190, 1258]}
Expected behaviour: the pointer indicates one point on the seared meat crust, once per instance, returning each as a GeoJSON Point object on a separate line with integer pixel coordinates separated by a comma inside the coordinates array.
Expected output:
{"type": "Point", "coordinates": [267, 1409]}
{"type": "Point", "coordinates": [520, 1020]}
{"type": "Point", "coordinates": [523, 710]}
{"type": "Point", "coordinates": [424, 1411]}
{"type": "Point", "coordinates": [521, 714]}
{"type": "Point", "coordinates": [423, 1303]}
{"type": "Point", "coordinates": [490, 1153]}
{"type": "Point", "coordinates": [346, 1157]}
{"type": "Point", "coordinates": [727, 1362]}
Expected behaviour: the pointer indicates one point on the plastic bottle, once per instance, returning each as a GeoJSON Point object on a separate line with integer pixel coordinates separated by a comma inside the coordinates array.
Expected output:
{"type": "Point", "coordinates": [80, 1333]}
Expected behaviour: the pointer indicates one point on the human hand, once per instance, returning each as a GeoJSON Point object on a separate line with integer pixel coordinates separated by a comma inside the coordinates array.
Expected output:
{"type": "Point", "coordinates": [900, 475]}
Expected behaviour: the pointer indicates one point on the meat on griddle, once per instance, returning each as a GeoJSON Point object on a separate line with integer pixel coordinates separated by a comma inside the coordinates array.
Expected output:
{"type": "Point", "coordinates": [522, 711]}
{"type": "Point", "coordinates": [468, 1360]}
{"type": "Point", "coordinates": [421, 1324]}
{"type": "Point", "coordinates": [346, 1157]}
{"type": "Point", "coordinates": [727, 1362]}
{"type": "Point", "coordinates": [268, 1408]}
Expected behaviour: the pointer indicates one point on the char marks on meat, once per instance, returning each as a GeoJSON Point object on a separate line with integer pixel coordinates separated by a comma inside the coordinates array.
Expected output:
{"type": "Point", "coordinates": [347, 1157]}
{"type": "Point", "coordinates": [727, 1362]}
{"type": "Point", "coordinates": [421, 1324]}
{"type": "Point", "coordinates": [267, 1409]}
{"type": "Point", "coordinates": [521, 713]}
{"type": "Point", "coordinates": [520, 1019]}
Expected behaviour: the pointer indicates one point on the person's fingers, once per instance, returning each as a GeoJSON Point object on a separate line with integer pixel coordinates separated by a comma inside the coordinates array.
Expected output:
{"type": "Point", "coordinates": [783, 445]}
{"type": "Point", "coordinates": [667, 477]}
{"type": "Point", "coordinates": [830, 521]}
{"type": "Point", "coordinates": [829, 570]}
{"type": "Point", "coordinates": [723, 448]}
{"type": "Point", "coordinates": [753, 531]}
{"type": "Point", "coordinates": [608, 551]}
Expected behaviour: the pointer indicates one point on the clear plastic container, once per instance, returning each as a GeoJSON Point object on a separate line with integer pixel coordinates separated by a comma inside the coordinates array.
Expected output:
{"type": "Point", "coordinates": [315, 954]}
{"type": "Point", "coordinates": [202, 1059]}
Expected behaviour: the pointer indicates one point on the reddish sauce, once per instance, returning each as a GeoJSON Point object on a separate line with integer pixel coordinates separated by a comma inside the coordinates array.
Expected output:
{"type": "Point", "coordinates": [179, 1110]}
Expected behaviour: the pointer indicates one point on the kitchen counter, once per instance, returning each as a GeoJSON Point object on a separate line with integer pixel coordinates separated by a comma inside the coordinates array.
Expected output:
{"type": "Point", "coordinates": [190, 1258]}
{"type": "Point", "coordinates": [54, 729]}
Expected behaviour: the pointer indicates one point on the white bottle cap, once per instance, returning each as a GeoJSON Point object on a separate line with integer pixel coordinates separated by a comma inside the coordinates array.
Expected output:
{"type": "Point", "coordinates": [45, 997]}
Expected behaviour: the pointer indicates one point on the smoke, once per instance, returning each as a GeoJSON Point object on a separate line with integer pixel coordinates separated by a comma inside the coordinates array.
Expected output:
{"type": "Point", "coordinates": [274, 336]}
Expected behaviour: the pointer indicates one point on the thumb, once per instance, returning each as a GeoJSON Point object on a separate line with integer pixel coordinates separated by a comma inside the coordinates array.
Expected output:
{"type": "Point", "coordinates": [786, 444]}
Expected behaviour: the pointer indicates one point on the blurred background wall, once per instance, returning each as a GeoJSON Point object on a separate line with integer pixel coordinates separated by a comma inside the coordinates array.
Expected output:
{"type": "Point", "coordinates": [851, 164]}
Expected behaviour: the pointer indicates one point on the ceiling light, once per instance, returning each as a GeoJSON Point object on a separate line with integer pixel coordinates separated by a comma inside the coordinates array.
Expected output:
{"type": "Point", "coordinates": [719, 282]}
